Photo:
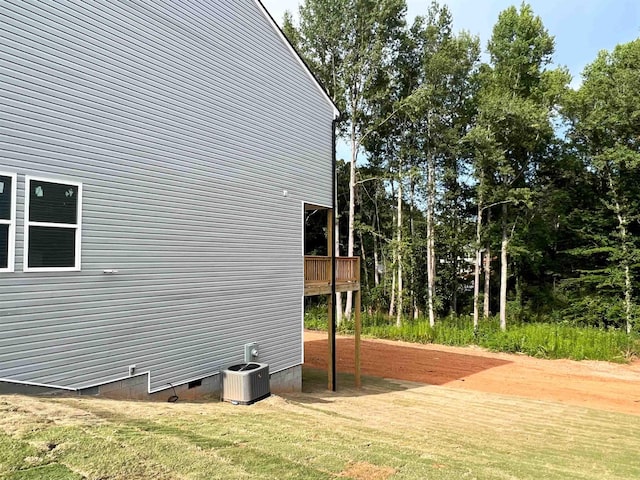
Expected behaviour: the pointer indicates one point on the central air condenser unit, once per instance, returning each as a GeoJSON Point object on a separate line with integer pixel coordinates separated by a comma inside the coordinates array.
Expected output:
{"type": "Point", "coordinates": [245, 383]}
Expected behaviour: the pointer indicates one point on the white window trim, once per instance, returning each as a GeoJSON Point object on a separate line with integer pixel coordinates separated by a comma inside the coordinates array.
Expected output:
{"type": "Point", "coordinates": [11, 253]}
{"type": "Point", "coordinates": [27, 223]}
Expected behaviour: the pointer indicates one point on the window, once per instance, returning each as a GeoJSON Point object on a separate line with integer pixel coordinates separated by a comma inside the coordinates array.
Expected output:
{"type": "Point", "coordinates": [53, 211]}
{"type": "Point", "coordinates": [7, 220]}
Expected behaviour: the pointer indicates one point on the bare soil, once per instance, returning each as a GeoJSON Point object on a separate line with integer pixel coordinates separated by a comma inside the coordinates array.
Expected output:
{"type": "Point", "coordinates": [599, 385]}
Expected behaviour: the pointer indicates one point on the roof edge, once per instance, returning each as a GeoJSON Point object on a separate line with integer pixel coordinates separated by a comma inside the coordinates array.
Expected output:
{"type": "Point", "coordinates": [276, 27]}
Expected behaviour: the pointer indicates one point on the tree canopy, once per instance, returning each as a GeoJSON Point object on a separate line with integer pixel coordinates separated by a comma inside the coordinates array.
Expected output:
{"type": "Point", "coordinates": [454, 160]}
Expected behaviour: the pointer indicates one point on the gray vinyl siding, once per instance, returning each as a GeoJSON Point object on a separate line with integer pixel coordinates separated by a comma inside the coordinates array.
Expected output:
{"type": "Point", "coordinates": [184, 121]}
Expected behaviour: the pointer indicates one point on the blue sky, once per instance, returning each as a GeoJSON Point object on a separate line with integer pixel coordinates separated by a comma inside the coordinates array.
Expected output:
{"type": "Point", "coordinates": [581, 27]}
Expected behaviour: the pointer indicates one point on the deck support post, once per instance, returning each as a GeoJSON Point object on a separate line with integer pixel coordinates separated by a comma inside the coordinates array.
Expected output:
{"type": "Point", "coordinates": [358, 329]}
{"type": "Point", "coordinates": [331, 317]}
{"type": "Point", "coordinates": [331, 332]}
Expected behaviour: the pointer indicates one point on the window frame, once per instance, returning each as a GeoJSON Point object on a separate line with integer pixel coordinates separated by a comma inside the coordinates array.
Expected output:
{"type": "Point", "coordinates": [11, 244]}
{"type": "Point", "coordinates": [28, 223]}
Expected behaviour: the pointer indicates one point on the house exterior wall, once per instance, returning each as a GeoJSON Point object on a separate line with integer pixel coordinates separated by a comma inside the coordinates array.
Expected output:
{"type": "Point", "coordinates": [184, 122]}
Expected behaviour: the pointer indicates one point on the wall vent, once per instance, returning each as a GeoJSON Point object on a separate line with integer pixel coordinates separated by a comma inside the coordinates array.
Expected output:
{"type": "Point", "coordinates": [245, 383]}
{"type": "Point", "coordinates": [194, 384]}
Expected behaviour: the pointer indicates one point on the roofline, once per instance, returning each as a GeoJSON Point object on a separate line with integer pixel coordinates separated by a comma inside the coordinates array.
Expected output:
{"type": "Point", "coordinates": [336, 111]}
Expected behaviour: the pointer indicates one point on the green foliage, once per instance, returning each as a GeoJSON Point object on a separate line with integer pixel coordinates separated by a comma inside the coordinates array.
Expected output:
{"type": "Point", "coordinates": [605, 131]}
{"type": "Point", "coordinates": [513, 138]}
{"type": "Point", "coordinates": [347, 45]}
{"type": "Point", "coordinates": [466, 140]}
{"type": "Point", "coordinates": [543, 340]}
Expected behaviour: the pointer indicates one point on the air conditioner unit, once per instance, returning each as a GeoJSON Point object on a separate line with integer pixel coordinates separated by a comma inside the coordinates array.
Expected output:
{"type": "Point", "coordinates": [245, 383]}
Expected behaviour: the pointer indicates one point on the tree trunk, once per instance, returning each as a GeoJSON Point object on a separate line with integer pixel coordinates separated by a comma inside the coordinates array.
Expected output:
{"type": "Point", "coordinates": [622, 227]}
{"type": "Point", "coordinates": [476, 270]}
{"type": "Point", "coordinates": [338, 305]}
{"type": "Point", "coordinates": [487, 274]}
{"type": "Point", "coordinates": [453, 308]}
{"type": "Point", "coordinates": [503, 270]}
{"type": "Point", "coordinates": [376, 262]}
{"type": "Point", "coordinates": [364, 261]}
{"type": "Point", "coordinates": [414, 295]}
{"type": "Point", "coordinates": [431, 262]}
{"type": "Point", "coordinates": [628, 296]}
{"type": "Point", "coordinates": [352, 209]}
{"type": "Point", "coordinates": [399, 309]}
{"type": "Point", "coordinates": [392, 302]}
{"type": "Point", "coordinates": [454, 301]}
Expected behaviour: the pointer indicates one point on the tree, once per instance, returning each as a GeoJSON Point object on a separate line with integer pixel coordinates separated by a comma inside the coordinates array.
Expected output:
{"type": "Point", "coordinates": [347, 44]}
{"type": "Point", "coordinates": [516, 102]}
{"type": "Point", "coordinates": [374, 229]}
{"type": "Point", "coordinates": [605, 115]}
{"type": "Point", "coordinates": [440, 112]}
{"type": "Point", "coordinates": [485, 154]}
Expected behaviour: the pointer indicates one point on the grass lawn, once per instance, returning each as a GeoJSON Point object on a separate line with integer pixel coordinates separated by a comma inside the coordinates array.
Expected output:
{"type": "Point", "coordinates": [389, 429]}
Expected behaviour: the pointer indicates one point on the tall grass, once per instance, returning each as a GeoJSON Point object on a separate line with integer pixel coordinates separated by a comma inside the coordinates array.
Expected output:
{"type": "Point", "coordinates": [544, 340]}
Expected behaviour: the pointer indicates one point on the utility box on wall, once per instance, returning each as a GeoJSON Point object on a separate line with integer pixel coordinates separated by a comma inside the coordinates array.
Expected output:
{"type": "Point", "coordinates": [245, 383]}
{"type": "Point", "coordinates": [251, 352]}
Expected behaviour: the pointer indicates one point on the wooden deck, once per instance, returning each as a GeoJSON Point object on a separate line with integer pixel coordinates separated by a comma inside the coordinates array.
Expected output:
{"type": "Point", "coordinates": [317, 275]}
{"type": "Point", "coordinates": [317, 281]}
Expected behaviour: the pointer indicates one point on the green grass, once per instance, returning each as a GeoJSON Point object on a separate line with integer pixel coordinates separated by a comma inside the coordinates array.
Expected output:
{"type": "Point", "coordinates": [389, 430]}
{"type": "Point", "coordinates": [544, 340]}
{"type": "Point", "coordinates": [21, 460]}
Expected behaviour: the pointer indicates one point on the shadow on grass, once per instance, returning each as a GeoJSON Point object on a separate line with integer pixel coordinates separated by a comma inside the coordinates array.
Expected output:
{"type": "Point", "coordinates": [315, 380]}
{"type": "Point", "coordinates": [315, 388]}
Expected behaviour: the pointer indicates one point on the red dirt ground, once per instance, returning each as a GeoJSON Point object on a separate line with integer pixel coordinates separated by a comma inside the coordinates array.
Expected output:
{"type": "Point", "coordinates": [600, 385]}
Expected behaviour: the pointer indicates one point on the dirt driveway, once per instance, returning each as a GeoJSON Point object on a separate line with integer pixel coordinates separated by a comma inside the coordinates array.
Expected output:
{"type": "Point", "coordinates": [599, 385]}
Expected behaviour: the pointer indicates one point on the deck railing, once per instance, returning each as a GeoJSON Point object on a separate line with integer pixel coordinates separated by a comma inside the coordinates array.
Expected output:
{"type": "Point", "coordinates": [317, 270]}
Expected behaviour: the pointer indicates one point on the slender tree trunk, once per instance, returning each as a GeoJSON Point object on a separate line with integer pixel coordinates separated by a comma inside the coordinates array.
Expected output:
{"type": "Point", "coordinates": [414, 295]}
{"type": "Point", "coordinates": [454, 297]}
{"type": "Point", "coordinates": [376, 262]}
{"type": "Point", "coordinates": [628, 295]}
{"type": "Point", "coordinates": [476, 271]}
{"type": "Point", "coordinates": [503, 269]}
{"type": "Point", "coordinates": [487, 274]}
{"type": "Point", "coordinates": [338, 305]}
{"type": "Point", "coordinates": [364, 260]}
{"type": "Point", "coordinates": [374, 303]}
{"type": "Point", "coordinates": [454, 302]}
{"type": "Point", "coordinates": [377, 233]}
{"type": "Point", "coordinates": [399, 309]}
{"type": "Point", "coordinates": [348, 304]}
{"type": "Point", "coordinates": [392, 302]}
{"type": "Point", "coordinates": [352, 209]}
{"type": "Point", "coordinates": [628, 287]}
{"type": "Point", "coordinates": [431, 262]}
